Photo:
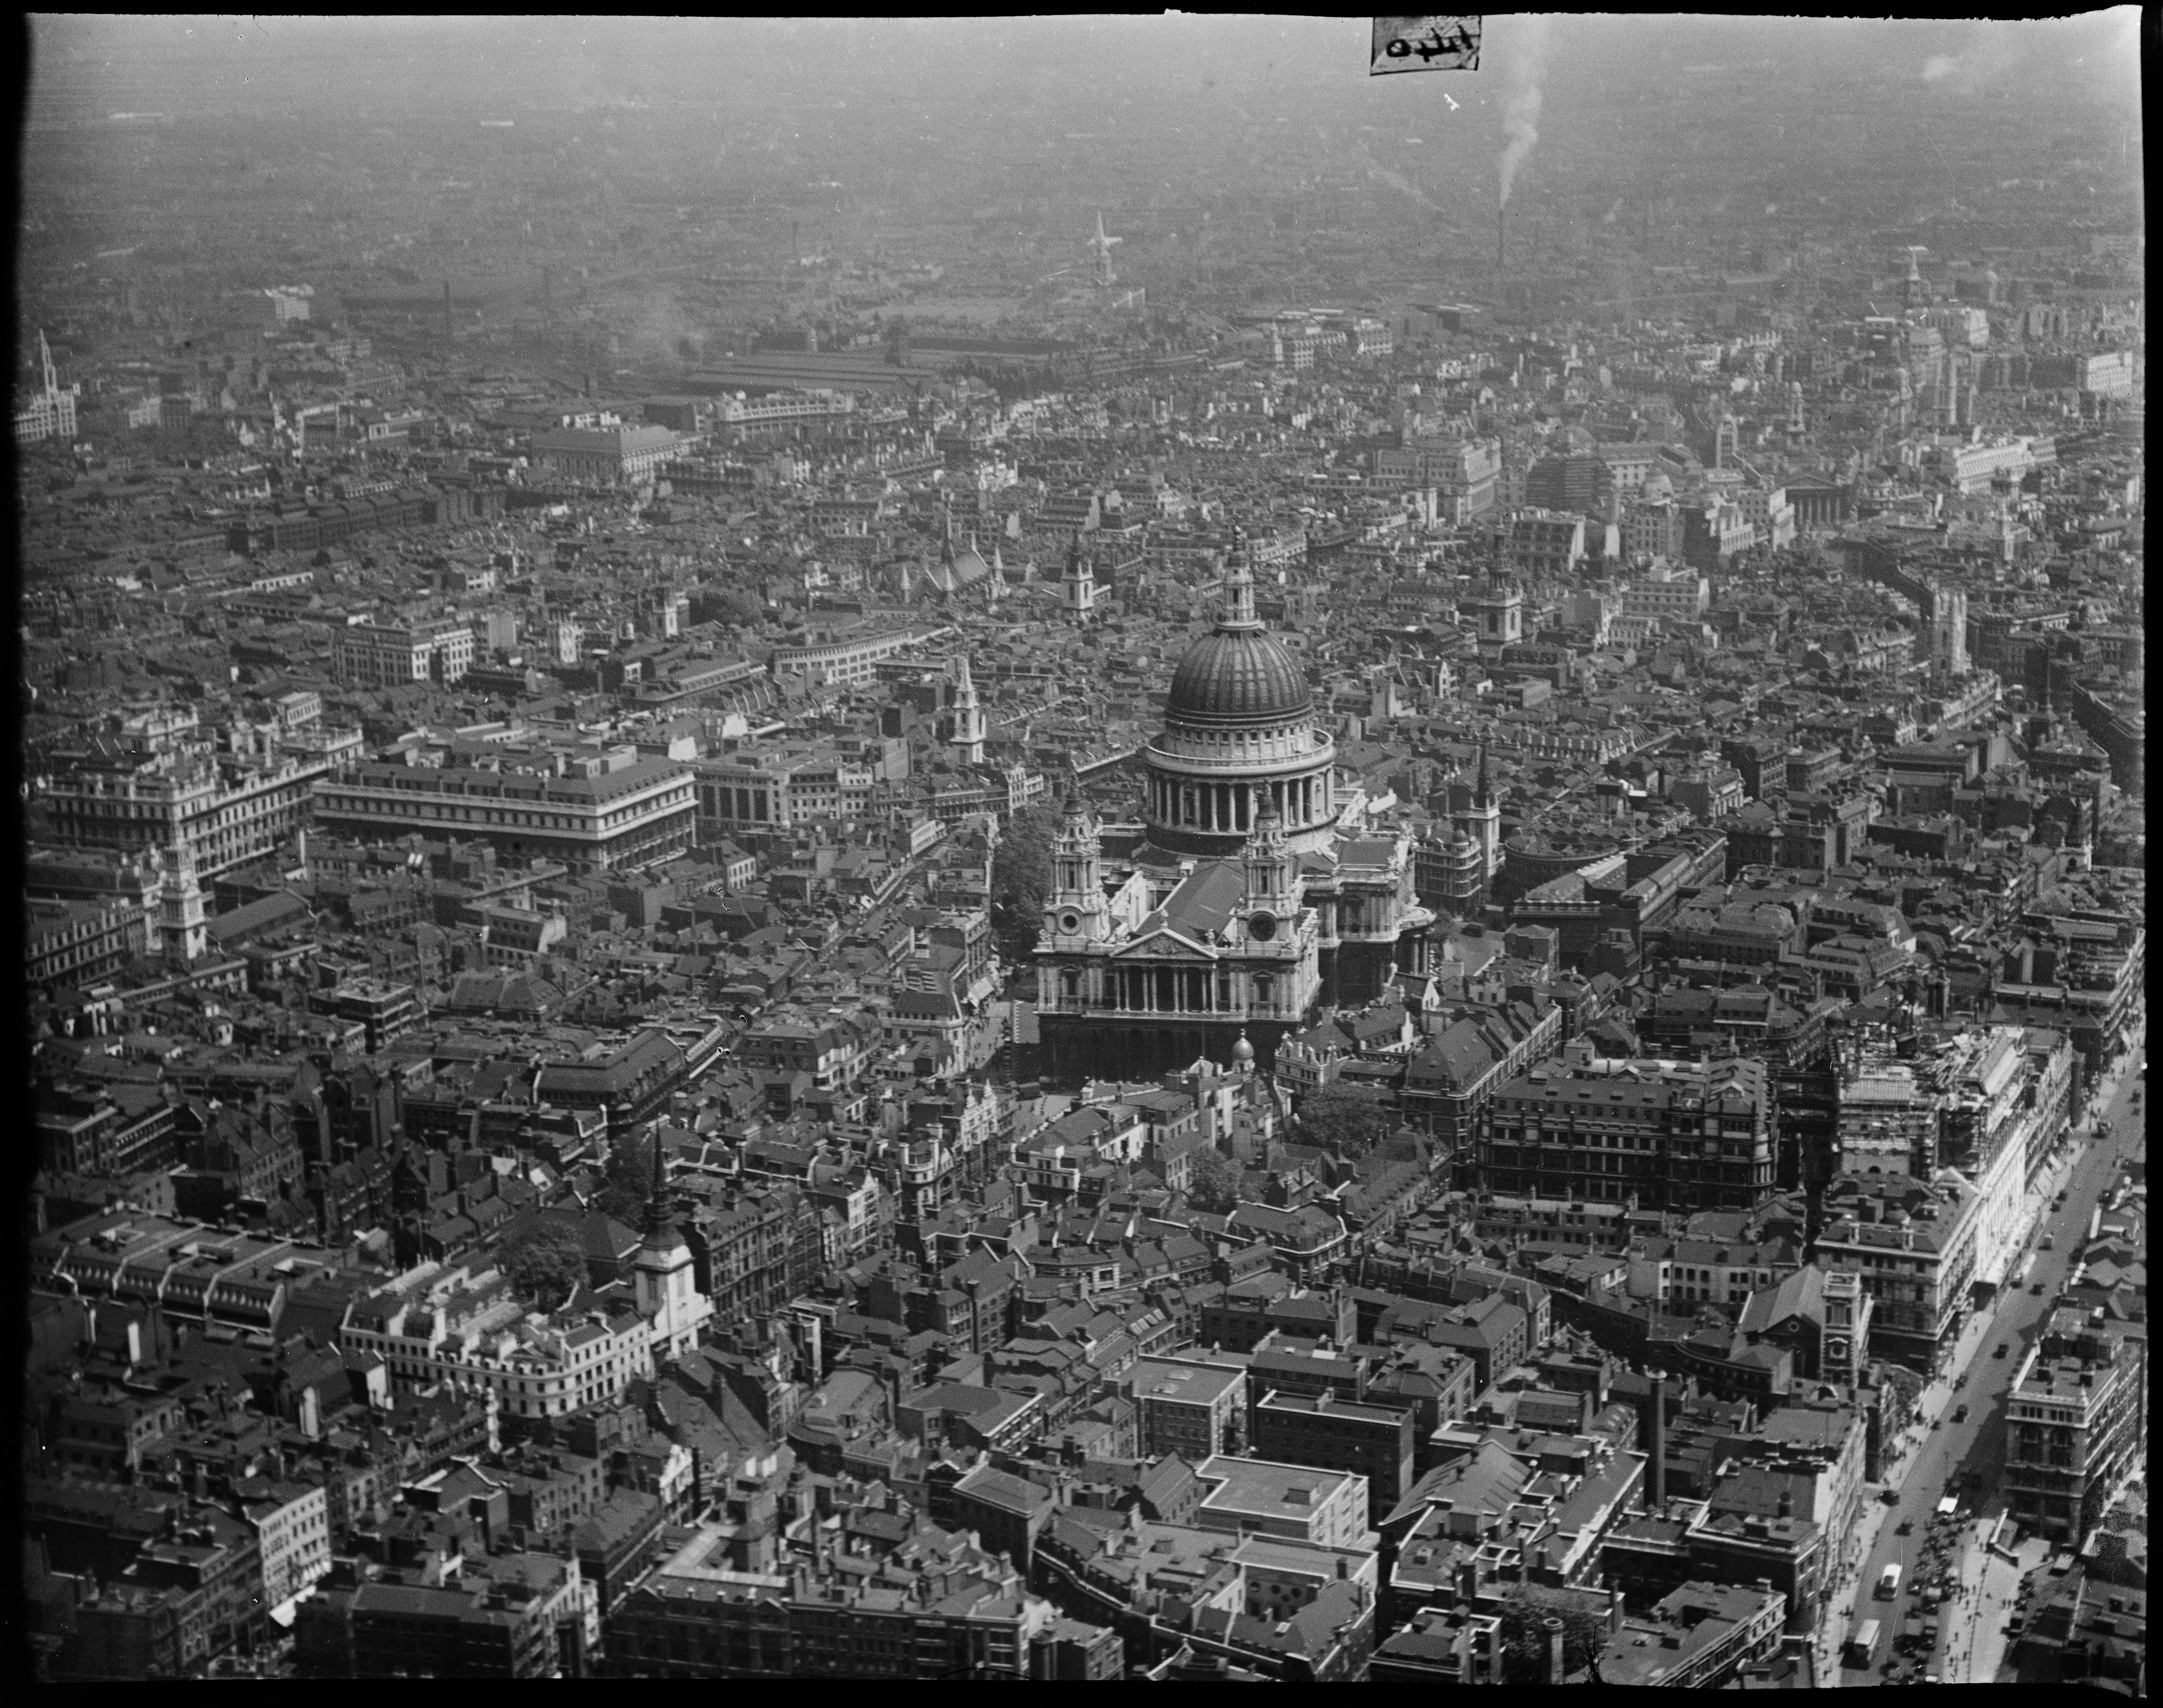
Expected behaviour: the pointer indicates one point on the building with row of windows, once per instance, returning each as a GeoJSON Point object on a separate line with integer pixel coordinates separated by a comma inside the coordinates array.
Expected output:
{"type": "Point", "coordinates": [611, 454]}
{"type": "Point", "coordinates": [227, 808]}
{"type": "Point", "coordinates": [78, 942]}
{"type": "Point", "coordinates": [1461, 473]}
{"type": "Point", "coordinates": [695, 1618]}
{"type": "Point", "coordinates": [1912, 1243]}
{"type": "Point", "coordinates": [2075, 1423]}
{"type": "Point", "coordinates": [855, 660]}
{"type": "Point", "coordinates": [1678, 1137]}
{"type": "Point", "coordinates": [366, 656]}
{"type": "Point", "coordinates": [637, 812]}
{"type": "Point", "coordinates": [470, 1333]}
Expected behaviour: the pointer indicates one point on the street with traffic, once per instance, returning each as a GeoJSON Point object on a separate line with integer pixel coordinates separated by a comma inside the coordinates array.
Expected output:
{"type": "Point", "coordinates": [1955, 1446]}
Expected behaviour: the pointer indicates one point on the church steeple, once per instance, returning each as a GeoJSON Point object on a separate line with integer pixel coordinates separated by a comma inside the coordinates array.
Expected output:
{"type": "Point", "coordinates": [1480, 823]}
{"type": "Point", "coordinates": [663, 1280]}
{"type": "Point", "coordinates": [1078, 590]}
{"type": "Point", "coordinates": [183, 920]}
{"type": "Point", "coordinates": [968, 737]}
{"type": "Point", "coordinates": [660, 1224]}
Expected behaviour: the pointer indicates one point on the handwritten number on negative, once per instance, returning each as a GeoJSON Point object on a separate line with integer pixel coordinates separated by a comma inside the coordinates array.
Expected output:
{"type": "Point", "coordinates": [1452, 41]}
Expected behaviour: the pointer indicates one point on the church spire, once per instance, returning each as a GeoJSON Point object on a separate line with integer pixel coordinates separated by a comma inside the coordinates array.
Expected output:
{"type": "Point", "coordinates": [660, 1224]}
{"type": "Point", "coordinates": [1482, 793]}
{"type": "Point", "coordinates": [968, 737]}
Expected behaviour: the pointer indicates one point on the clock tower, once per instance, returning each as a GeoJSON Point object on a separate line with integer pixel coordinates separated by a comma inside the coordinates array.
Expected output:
{"type": "Point", "coordinates": [1272, 874]}
{"type": "Point", "coordinates": [1075, 910]}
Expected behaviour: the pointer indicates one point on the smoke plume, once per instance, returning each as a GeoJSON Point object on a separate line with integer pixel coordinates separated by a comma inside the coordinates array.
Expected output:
{"type": "Point", "coordinates": [1521, 114]}
{"type": "Point", "coordinates": [1396, 180]}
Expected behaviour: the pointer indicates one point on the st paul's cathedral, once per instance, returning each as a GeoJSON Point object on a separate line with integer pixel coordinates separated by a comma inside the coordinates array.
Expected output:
{"type": "Point", "coordinates": [1254, 896]}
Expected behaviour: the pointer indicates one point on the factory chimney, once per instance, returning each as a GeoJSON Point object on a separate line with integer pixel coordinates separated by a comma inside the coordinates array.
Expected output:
{"type": "Point", "coordinates": [1656, 1444]}
{"type": "Point", "coordinates": [1501, 214]}
{"type": "Point", "coordinates": [447, 308]}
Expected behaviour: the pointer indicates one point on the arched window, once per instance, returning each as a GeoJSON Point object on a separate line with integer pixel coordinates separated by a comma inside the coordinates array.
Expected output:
{"type": "Point", "coordinates": [1069, 984]}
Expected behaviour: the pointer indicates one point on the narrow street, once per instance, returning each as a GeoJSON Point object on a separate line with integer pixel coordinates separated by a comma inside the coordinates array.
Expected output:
{"type": "Point", "coordinates": [1965, 1458]}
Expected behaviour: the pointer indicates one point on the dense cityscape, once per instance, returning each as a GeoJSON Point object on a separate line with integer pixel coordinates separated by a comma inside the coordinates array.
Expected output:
{"type": "Point", "coordinates": [1069, 849]}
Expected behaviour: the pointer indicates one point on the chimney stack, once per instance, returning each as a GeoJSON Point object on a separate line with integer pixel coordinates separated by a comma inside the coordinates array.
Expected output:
{"type": "Point", "coordinates": [1501, 214]}
{"type": "Point", "coordinates": [447, 308]}
{"type": "Point", "coordinates": [1553, 1627]}
{"type": "Point", "coordinates": [1656, 1444]}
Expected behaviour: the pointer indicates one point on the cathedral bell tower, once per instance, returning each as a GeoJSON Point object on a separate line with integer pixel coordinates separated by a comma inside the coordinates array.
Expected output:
{"type": "Point", "coordinates": [1271, 871]}
{"type": "Point", "coordinates": [1075, 906]}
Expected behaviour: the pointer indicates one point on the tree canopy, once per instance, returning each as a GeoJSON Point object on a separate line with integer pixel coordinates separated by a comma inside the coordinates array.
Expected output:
{"type": "Point", "coordinates": [1524, 1608]}
{"type": "Point", "coordinates": [1343, 1121]}
{"type": "Point", "coordinates": [1021, 876]}
{"type": "Point", "coordinates": [1213, 1185]}
{"type": "Point", "coordinates": [733, 606]}
{"type": "Point", "coordinates": [629, 1179]}
{"type": "Point", "coordinates": [546, 1264]}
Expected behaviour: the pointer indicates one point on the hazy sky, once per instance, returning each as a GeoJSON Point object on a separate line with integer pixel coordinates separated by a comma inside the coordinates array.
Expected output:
{"type": "Point", "coordinates": [933, 60]}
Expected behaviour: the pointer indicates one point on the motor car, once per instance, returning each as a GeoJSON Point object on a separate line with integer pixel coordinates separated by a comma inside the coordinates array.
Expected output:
{"type": "Point", "coordinates": [2037, 1290]}
{"type": "Point", "coordinates": [1906, 1527]}
{"type": "Point", "coordinates": [2003, 1347]}
{"type": "Point", "coordinates": [1891, 1497]}
{"type": "Point", "coordinates": [1961, 1415]}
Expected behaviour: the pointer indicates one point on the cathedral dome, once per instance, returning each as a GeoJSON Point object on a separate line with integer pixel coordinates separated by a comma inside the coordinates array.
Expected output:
{"type": "Point", "coordinates": [1240, 677]}
{"type": "Point", "coordinates": [1236, 678]}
